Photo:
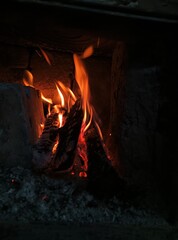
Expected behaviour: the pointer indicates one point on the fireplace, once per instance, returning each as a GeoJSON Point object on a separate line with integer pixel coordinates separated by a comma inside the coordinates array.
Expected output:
{"type": "Point", "coordinates": [129, 137]}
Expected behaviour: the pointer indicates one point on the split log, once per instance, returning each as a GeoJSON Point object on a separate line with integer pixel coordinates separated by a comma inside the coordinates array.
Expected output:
{"type": "Point", "coordinates": [68, 138]}
{"type": "Point", "coordinates": [21, 114]}
{"type": "Point", "coordinates": [102, 177]}
{"type": "Point", "coordinates": [42, 150]}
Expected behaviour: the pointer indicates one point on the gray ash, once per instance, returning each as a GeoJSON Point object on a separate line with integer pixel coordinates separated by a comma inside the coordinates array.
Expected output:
{"type": "Point", "coordinates": [27, 197]}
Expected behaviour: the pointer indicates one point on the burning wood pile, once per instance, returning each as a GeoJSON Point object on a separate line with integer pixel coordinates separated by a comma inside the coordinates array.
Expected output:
{"type": "Point", "coordinates": [71, 140]}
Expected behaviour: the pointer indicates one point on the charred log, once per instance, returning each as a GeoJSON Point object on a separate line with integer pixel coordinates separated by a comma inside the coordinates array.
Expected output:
{"type": "Point", "coordinates": [68, 138]}
{"type": "Point", "coordinates": [102, 177]}
{"type": "Point", "coordinates": [42, 150]}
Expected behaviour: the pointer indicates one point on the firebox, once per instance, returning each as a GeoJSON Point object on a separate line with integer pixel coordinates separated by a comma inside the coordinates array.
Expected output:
{"type": "Point", "coordinates": [88, 108]}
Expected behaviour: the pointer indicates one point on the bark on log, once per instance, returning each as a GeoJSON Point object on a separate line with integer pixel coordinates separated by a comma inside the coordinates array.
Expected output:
{"type": "Point", "coordinates": [21, 113]}
{"type": "Point", "coordinates": [68, 138]}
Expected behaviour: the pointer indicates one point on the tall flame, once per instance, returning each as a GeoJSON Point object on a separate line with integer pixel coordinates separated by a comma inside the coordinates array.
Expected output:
{"type": "Point", "coordinates": [48, 100]}
{"type": "Point", "coordinates": [81, 77]}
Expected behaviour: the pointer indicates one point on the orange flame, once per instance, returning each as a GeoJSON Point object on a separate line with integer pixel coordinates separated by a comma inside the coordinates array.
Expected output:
{"type": "Point", "coordinates": [28, 78]}
{"type": "Point", "coordinates": [45, 55]}
{"type": "Point", "coordinates": [61, 96]}
{"type": "Point", "coordinates": [88, 52]}
{"type": "Point", "coordinates": [82, 80]}
{"type": "Point", "coordinates": [60, 106]}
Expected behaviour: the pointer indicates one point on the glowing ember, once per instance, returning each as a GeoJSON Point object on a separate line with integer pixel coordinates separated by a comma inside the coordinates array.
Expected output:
{"type": "Point", "coordinates": [42, 126]}
{"type": "Point", "coordinates": [82, 148]}
{"type": "Point", "coordinates": [61, 96]}
{"type": "Point", "coordinates": [13, 181]}
{"type": "Point", "coordinates": [83, 174]}
{"type": "Point", "coordinates": [55, 147]}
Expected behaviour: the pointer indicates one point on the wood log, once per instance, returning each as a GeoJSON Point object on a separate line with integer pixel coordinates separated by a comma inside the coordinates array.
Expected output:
{"type": "Point", "coordinates": [42, 150]}
{"type": "Point", "coordinates": [68, 138]}
{"type": "Point", "coordinates": [102, 177]}
{"type": "Point", "coordinates": [21, 114]}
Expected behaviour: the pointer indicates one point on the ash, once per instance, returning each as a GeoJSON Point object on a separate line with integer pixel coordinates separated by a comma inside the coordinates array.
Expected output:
{"type": "Point", "coordinates": [27, 197]}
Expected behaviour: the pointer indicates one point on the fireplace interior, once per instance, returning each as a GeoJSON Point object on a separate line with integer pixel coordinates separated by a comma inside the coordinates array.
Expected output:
{"type": "Point", "coordinates": [119, 165]}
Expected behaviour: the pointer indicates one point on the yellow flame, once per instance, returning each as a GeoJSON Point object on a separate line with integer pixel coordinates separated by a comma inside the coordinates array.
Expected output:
{"type": "Point", "coordinates": [68, 95]}
{"type": "Point", "coordinates": [61, 96]}
{"type": "Point", "coordinates": [60, 118]}
{"type": "Point", "coordinates": [48, 100]}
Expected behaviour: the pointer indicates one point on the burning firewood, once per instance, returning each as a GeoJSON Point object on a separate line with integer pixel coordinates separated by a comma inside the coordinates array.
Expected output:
{"type": "Point", "coordinates": [68, 138]}
{"type": "Point", "coordinates": [102, 177]}
{"type": "Point", "coordinates": [43, 150]}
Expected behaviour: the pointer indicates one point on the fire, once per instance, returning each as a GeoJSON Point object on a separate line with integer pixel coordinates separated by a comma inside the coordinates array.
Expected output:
{"type": "Point", "coordinates": [81, 77]}
{"type": "Point", "coordinates": [60, 107]}
{"type": "Point", "coordinates": [61, 96]}
{"type": "Point", "coordinates": [66, 99]}
{"type": "Point", "coordinates": [45, 55]}
{"type": "Point", "coordinates": [67, 94]}
{"type": "Point", "coordinates": [48, 100]}
{"type": "Point", "coordinates": [28, 78]}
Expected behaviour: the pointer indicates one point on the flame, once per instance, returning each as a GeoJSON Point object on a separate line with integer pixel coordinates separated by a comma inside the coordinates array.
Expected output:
{"type": "Point", "coordinates": [82, 148]}
{"type": "Point", "coordinates": [48, 100]}
{"type": "Point", "coordinates": [55, 147]}
{"type": "Point", "coordinates": [88, 52]}
{"type": "Point", "coordinates": [81, 77]}
{"type": "Point", "coordinates": [61, 96]}
{"type": "Point", "coordinates": [69, 96]}
{"type": "Point", "coordinates": [66, 99]}
{"type": "Point", "coordinates": [28, 78]}
{"type": "Point", "coordinates": [59, 107]}
{"type": "Point", "coordinates": [45, 55]}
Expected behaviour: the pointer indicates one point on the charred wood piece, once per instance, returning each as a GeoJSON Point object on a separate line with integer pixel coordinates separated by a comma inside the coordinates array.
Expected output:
{"type": "Point", "coordinates": [68, 138]}
{"type": "Point", "coordinates": [102, 176]}
{"type": "Point", "coordinates": [42, 150]}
